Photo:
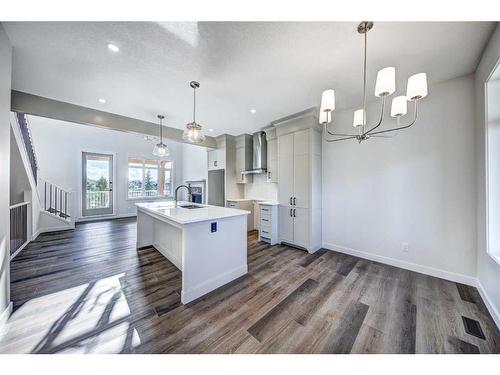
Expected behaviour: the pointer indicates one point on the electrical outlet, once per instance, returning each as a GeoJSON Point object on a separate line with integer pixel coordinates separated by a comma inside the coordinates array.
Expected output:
{"type": "Point", "coordinates": [405, 247]}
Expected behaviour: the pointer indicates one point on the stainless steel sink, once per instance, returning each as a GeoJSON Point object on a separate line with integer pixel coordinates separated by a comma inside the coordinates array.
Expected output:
{"type": "Point", "coordinates": [190, 206]}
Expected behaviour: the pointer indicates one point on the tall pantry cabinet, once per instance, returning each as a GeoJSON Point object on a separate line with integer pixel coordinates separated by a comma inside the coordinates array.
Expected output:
{"type": "Point", "coordinates": [299, 182]}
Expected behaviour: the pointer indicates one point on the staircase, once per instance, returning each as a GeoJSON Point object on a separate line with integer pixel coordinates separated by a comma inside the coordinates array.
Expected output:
{"type": "Point", "coordinates": [50, 204]}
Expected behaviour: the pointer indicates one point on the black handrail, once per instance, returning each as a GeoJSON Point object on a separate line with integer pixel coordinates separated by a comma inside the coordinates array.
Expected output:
{"type": "Point", "coordinates": [55, 200]}
{"type": "Point", "coordinates": [28, 143]}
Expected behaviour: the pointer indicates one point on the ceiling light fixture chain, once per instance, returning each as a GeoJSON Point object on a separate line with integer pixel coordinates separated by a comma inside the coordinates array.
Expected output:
{"type": "Point", "coordinates": [161, 149]}
{"type": "Point", "coordinates": [385, 86]}
{"type": "Point", "coordinates": [194, 132]}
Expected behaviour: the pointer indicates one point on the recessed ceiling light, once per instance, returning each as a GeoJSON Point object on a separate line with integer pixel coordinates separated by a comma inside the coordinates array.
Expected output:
{"type": "Point", "coordinates": [210, 130]}
{"type": "Point", "coordinates": [253, 111]}
{"type": "Point", "coordinates": [113, 47]}
{"type": "Point", "coordinates": [103, 101]}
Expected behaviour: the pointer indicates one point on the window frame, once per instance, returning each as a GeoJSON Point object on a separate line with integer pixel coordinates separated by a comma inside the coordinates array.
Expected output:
{"type": "Point", "coordinates": [144, 166]}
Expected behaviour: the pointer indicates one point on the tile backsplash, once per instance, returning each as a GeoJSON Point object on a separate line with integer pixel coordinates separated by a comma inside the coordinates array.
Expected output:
{"type": "Point", "coordinates": [261, 189]}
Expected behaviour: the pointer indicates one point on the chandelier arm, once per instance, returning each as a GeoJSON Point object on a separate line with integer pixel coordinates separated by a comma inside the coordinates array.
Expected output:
{"type": "Point", "coordinates": [380, 119]}
{"type": "Point", "coordinates": [402, 127]}
{"type": "Point", "coordinates": [337, 134]}
{"type": "Point", "coordinates": [339, 139]}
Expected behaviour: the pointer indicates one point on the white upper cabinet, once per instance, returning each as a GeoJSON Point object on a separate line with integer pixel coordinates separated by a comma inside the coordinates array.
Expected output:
{"type": "Point", "coordinates": [216, 159]}
{"type": "Point", "coordinates": [272, 160]}
{"type": "Point", "coordinates": [243, 158]}
{"type": "Point", "coordinates": [285, 169]}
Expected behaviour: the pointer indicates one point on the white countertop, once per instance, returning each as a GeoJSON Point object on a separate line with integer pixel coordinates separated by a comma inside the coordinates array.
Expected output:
{"type": "Point", "coordinates": [181, 215]}
{"type": "Point", "coordinates": [269, 203]}
{"type": "Point", "coordinates": [258, 200]}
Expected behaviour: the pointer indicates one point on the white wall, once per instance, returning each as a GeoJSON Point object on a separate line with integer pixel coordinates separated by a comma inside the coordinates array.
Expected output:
{"type": "Point", "coordinates": [19, 182]}
{"type": "Point", "coordinates": [58, 146]}
{"type": "Point", "coordinates": [5, 84]}
{"type": "Point", "coordinates": [488, 271]}
{"type": "Point", "coordinates": [194, 163]}
{"type": "Point", "coordinates": [418, 187]}
{"type": "Point", "coordinates": [261, 189]}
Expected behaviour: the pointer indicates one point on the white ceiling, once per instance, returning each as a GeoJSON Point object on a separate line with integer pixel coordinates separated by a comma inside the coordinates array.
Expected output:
{"type": "Point", "coordinates": [276, 68]}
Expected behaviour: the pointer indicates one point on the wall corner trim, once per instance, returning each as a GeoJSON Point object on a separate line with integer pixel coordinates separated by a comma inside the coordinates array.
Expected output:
{"type": "Point", "coordinates": [495, 314]}
{"type": "Point", "coordinates": [431, 271]}
{"type": "Point", "coordinates": [4, 317]}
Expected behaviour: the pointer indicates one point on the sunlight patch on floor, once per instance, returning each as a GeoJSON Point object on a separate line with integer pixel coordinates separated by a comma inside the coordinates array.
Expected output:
{"type": "Point", "coordinates": [89, 318]}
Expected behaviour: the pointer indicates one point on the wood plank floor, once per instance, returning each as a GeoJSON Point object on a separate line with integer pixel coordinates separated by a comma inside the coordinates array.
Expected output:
{"type": "Point", "coordinates": [90, 291]}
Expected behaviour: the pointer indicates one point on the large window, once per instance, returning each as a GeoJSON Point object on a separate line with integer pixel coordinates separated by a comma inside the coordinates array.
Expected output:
{"type": "Point", "coordinates": [149, 178]}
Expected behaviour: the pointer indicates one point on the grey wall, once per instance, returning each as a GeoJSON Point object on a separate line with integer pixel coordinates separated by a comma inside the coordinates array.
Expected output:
{"type": "Point", "coordinates": [488, 271]}
{"type": "Point", "coordinates": [417, 188]}
{"type": "Point", "coordinates": [5, 82]}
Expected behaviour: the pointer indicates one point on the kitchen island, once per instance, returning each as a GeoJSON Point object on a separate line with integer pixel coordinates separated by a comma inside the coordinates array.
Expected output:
{"type": "Point", "coordinates": [208, 244]}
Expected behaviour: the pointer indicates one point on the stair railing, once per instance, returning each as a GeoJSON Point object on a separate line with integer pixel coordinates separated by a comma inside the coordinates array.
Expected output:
{"type": "Point", "coordinates": [22, 120]}
{"type": "Point", "coordinates": [55, 200]}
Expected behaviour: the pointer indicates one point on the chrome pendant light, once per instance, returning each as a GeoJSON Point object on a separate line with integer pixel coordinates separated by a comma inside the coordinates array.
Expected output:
{"type": "Point", "coordinates": [385, 85]}
{"type": "Point", "coordinates": [193, 132]}
{"type": "Point", "coordinates": [161, 149]}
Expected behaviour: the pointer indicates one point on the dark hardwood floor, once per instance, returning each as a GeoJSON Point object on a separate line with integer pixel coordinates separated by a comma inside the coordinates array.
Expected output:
{"type": "Point", "coordinates": [89, 290]}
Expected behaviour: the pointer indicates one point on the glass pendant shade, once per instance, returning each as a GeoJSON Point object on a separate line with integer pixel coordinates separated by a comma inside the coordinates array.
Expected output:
{"type": "Point", "coordinates": [193, 133]}
{"type": "Point", "coordinates": [399, 106]}
{"type": "Point", "coordinates": [417, 87]}
{"type": "Point", "coordinates": [328, 100]}
{"type": "Point", "coordinates": [358, 118]}
{"type": "Point", "coordinates": [161, 148]}
{"type": "Point", "coordinates": [386, 81]}
{"type": "Point", "coordinates": [324, 117]}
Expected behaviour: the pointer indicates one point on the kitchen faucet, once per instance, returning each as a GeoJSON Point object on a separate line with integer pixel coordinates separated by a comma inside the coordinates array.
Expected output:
{"type": "Point", "coordinates": [177, 189]}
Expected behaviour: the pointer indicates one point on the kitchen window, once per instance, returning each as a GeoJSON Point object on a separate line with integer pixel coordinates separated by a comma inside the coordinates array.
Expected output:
{"type": "Point", "coordinates": [148, 178]}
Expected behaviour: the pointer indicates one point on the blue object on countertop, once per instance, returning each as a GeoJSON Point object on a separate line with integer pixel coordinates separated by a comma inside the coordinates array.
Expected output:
{"type": "Point", "coordinates": [213, 227]}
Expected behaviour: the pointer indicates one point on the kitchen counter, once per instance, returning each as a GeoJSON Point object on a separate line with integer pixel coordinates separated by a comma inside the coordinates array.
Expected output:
{"type": "Point", "coordinates": [180, 215]}
{"type": "Point", "coordinates": [207, 244]}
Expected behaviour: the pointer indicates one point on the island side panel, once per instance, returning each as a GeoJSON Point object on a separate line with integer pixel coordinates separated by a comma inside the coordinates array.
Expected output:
{"type": "Point", "coordinates": [212, 259]}
{"type": "Point", "coordinates": [167, 239]}
{"type": "Point", "coordinates": [144, 229]}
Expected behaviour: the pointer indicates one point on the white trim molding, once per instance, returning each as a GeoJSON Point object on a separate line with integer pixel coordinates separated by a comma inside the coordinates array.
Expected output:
{"type": "Point", "coordinates": [495, 314]}
{"type": "Point", "coordinates": [431, 271]}
{"type": "Point", "coordinates": [4, 317]}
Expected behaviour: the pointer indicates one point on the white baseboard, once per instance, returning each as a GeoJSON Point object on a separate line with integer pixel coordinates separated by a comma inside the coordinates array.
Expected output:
{"type": "Point", "coordinates": [4, 317]}
{"type": "Point", "coordinates": [447, 275]}
{"type": "Point", "coordinates": [104, 217]}
{"type": "Point", "coordinates": [212, 284]}
{"type": "Point", "coordinates": [495, 314]}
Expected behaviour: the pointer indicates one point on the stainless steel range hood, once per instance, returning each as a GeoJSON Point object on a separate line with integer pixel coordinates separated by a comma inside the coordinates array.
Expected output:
{"type": "Point", "coordinates": [259, 164]}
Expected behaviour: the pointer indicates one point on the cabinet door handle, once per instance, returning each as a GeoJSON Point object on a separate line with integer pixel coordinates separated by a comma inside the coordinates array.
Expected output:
{"type": "Point", "coordinates": [290, 201]}
{"type": "Point", "coordinates": [215, 163]}
{"type": "Point", "coordinates": [291, 212]}
{"type": "Point", "coordinates": [294, 212]}
{"type": "Point", "coordinates": [265, 220]}
{"type": "Point", "coordinates": [294, 201]}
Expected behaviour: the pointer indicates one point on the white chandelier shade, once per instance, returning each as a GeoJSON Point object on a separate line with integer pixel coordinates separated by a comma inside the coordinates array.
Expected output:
{"type": "Point", "coordinates": [385, 85]}
{"type": "Point", "coordinates": [399, 106]}
{"type": "Point", "coordinates": [417, 87]}
{"type": "Point", "coordinates": [328, 100]}
{"type": "Point", "coordinates": [386, 81]}
{"type": "Point", "coordinates": [359, 118]}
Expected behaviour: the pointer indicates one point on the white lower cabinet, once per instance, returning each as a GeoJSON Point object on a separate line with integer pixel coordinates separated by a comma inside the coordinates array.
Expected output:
{"type": "Point", "coordinates": [286, 224]}
{"type": "Point", "coordinates": [294, 226]}
{"type": "Point", "coordinates": [268, 223]}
